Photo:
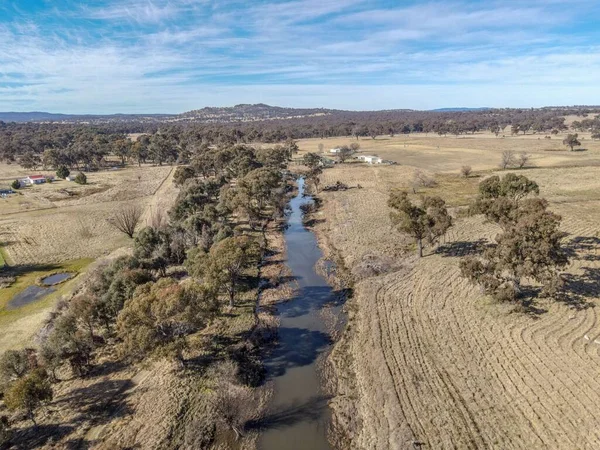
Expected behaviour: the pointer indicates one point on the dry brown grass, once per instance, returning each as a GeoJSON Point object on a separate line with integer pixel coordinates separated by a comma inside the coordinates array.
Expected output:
{"type": "Point", "coordinates": [434, 361]}
{"type": "Point", "coordinates": [481, 151]}
{"type": "Point", "coordinates": [61, 221]}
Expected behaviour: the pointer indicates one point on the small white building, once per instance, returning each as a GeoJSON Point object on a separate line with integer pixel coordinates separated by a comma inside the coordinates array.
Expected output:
{"type": "Point", "coordinates": [335, 151]}
{"type": "Point", "coordinates": [370, 159]}
{"type": "Point", "coordinates": [35, 179]}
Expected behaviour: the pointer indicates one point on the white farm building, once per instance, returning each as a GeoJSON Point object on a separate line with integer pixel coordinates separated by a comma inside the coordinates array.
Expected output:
{"type": "Point", "coordinates": [335, 151]}
{"type": "Point", "coordinates": [370, 159]}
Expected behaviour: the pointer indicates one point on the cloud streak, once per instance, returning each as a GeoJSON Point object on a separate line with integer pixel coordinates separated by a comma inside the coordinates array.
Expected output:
{"type": "Point", "coordinates": [169, 56]}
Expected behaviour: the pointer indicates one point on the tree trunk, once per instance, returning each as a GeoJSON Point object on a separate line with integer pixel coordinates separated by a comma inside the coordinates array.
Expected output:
{"type": "Point", "coordinates": [420, 247]}
{"type": "Point", "coordinates": [232, 294]}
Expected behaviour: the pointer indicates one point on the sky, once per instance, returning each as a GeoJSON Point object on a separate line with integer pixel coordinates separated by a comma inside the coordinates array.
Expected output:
{"type": "Point", "coordinates": [171, 56]}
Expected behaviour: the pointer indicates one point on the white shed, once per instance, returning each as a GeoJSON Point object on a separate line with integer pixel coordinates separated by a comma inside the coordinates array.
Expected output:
{"type": "Point", "coordinates": [335, 151]}
{"type": "Point", "coordinates": [370, 159]}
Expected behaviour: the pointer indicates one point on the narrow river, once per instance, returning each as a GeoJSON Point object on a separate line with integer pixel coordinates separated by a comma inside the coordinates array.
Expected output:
{"type": "Point", "coordinates": [298, 416]}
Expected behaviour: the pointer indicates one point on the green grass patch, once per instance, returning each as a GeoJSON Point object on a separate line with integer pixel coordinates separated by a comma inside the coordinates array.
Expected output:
{"type": "Point", "coordinates": [27, 276]}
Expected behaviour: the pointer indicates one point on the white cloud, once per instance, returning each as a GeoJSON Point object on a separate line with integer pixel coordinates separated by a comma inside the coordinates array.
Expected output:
{"type": "Point", "coordinates": [161, 55]}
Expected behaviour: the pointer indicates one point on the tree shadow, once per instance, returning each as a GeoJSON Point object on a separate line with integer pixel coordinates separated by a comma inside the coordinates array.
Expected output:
{"type": "Point", "coordinates": [296, 347]}
{"type": "Point", "coordinates": [278, 281]}
{"type": "Point", "coordinates": [312, 222]}
{"type": "Point", "coordinates": [100, 402]}
{"type": "Point", "coordinates": [24, 269]}
{"type": "Point", "coordinates": [312, 298]}
{"type": "Point", "coordinates": [461, 248]}
{"type": "Point", "coordinates": [582, 247]}
{"type": "Point", "coordinates": [579, 289]}
{"type": "Point", "coordinates": [285, 416]}
{"type": "Point", "coordinates": [38, 436]}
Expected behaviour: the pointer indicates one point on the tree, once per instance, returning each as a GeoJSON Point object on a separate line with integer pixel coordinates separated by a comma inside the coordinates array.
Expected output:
{"type": "Point", "coordinates": [15, 364]}
{"type": "Point", "coordinates": [465, 171]}
{"type": "Point", "coordinates": [62, 172]}
{"type": "Point", "coordinates": [345, 153]}
{"type": "Point", "coordinates": [29, 160]}
{"type": "Point", "coordinates": [311, 160]}
{"type": "Point", "coordinates": [67, 343]}
{"type": "Point", "coordinates": [596, 134]}
{"type": "Point", "coordinates": [507, 160]}
{"type": "Point", "coordinates": [29, 393]}
{"type": "Point", "coordinates": [223, 267]}
{"type": "Point", "coordinates": [182, 174]}
{"type": "Point", "coordinates": [571, 141]}
{"type": "Point", "coordinates": [127, 218]}
{"type": "Point", "coordinates": [152, 249]}
{"type": "Point", "coordinates": [160, 315]}
{"type": "Point", "coordinates": [354, 146]}
{"type": "Point", "coordinates": [321, 147]}
{"type": "Point", "coordinates": [16, 184]}
{"type": "Point", "coordinates": [498, 198]}
{"type": "Point", "coordinates": [529, 247]}
{"type": "Point", "coordinates": [81, 178]}
{"type": "Point", "coordinates": [523, 159]}
{"type": "Point", "coordinates": [495, 128]}
{"type": "Point", "coordinates": [233, 402]}
{"type": "Point", "coordinates": [420, 180]}
{"type": "Point", "coordinates": [428, 221]}
{"type": "Point", "coordinates": [314, 176]}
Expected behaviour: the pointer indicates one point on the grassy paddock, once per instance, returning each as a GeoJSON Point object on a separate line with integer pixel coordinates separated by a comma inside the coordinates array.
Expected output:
{"type": "Point", "coordinates": [13, 321]}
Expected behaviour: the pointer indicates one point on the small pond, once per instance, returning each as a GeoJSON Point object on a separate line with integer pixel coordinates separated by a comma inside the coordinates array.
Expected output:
{"type": "Point", "coordinates": [56, 278]}
{"type": "Point", "coordinates": [28, 295]}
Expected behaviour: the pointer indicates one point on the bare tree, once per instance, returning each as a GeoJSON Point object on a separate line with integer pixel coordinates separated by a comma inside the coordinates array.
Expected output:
{"type": "Point", "coordinates": [508, 159]}
{"type": "Point", "coordinates": [523, 159]}
{"type": "Point", "coordinates": [420, 180]}
{"type": "Point", "coordinates": [465, 171]}
{"type": "Point", "coordinates": [321, 147]}
{"type": "Point", "coordinates": [158, 219]}
{"type": "Point", "coordinates": [235, 404]}
{"type": "Point", "coordinates": [127, 218]}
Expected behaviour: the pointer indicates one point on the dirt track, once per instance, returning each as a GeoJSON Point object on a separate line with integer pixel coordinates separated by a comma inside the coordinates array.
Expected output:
{"type": "Point", "coordinates": [436, 363]}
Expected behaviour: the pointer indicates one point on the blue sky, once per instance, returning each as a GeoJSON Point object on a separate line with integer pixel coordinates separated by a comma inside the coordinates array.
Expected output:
{"type": "Point", "coordinates": [136, 56]}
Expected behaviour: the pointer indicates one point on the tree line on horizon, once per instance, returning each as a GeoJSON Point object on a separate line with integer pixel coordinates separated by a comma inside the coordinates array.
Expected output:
{"type": "Point", "coordinates": [51, 145]}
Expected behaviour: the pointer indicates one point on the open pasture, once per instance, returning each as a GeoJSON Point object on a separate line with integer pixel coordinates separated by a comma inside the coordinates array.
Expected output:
{"type": "Point", "coordinates": [435, 361]}
{"type": "Point", "coordinates": [62, 220]}
{"type": "Point", "coordinates": [481, 151]}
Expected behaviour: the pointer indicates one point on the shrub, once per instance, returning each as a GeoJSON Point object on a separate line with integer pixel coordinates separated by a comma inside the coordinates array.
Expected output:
{"type": "Point", "coordinates": [81, 178]}
{"type": "Point", "coordinates": [15, 364]}
{"type": "Point", "coordinates": [16, 184]}
{"type": "Point", "coordinates": [465, 171]}
{"type": "Point", "coordinates": [62, 172]}
{"type": "Point", "coordinates": [29, 393]}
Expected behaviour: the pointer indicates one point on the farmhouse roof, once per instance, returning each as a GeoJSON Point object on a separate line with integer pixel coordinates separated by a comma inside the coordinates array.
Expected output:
{"type": "Point", "coordinates": [36, 177]}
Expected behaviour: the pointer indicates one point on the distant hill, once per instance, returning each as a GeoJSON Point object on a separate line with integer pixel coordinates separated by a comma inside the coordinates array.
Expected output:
{"type": "Point", "coordinates": [459, 109]}
{"type": "Point", "coordinates": [250, 113]}
{"type": "Point", "coordinates": [37, 116]}
{"type": "Point", "coordinates": [237, 113]}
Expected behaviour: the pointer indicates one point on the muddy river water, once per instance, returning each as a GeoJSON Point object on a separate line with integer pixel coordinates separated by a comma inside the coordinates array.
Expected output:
{"type": "Point", "coordinates": [298, 415]}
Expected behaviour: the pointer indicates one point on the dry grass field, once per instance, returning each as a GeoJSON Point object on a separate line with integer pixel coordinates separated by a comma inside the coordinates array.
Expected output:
{"type": "Point", "coordinates": [481, 151]}
{"type": "Point", "coordinates": [63, 226]}
{"type": "Point", "coordinates": [62, 221]}
{"type": "Point", "coordinates": [431, 360]}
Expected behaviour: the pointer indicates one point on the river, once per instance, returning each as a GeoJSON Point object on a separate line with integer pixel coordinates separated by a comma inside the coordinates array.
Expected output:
{"type": "Point", "coordinates": [298, 415]}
